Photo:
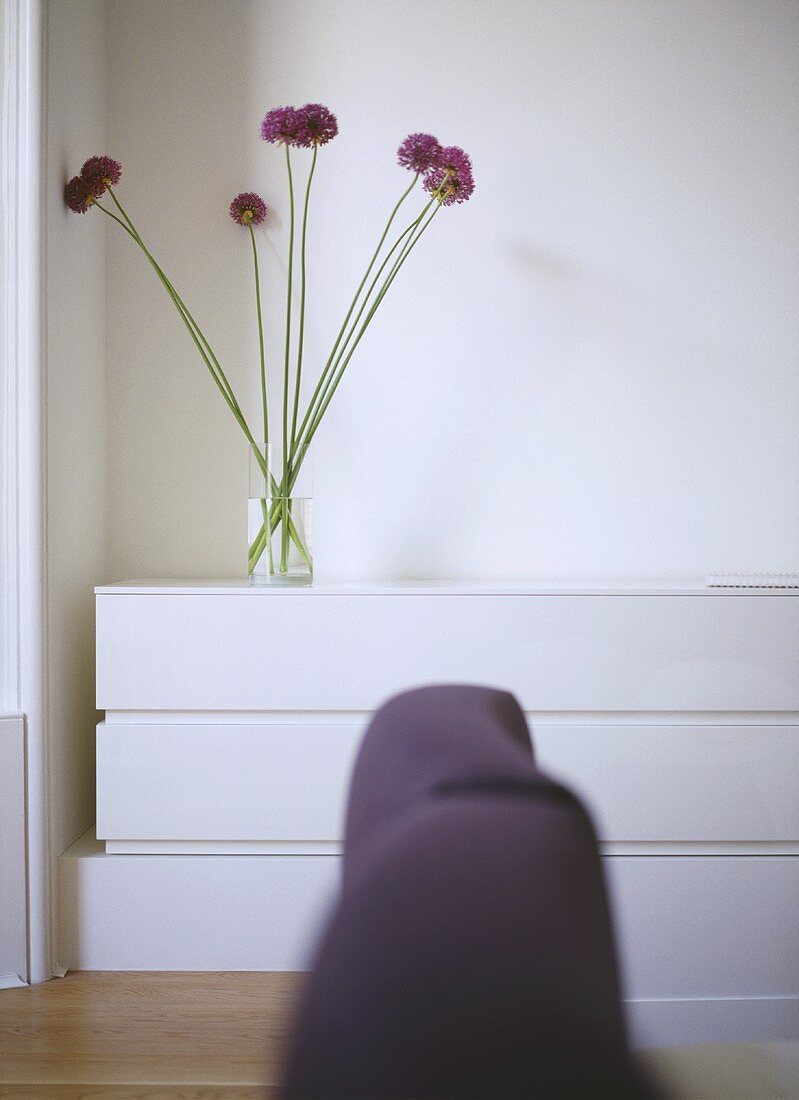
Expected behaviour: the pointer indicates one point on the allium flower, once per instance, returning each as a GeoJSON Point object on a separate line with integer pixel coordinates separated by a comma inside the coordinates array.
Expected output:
{"type": "Point", "coordinates": [78, 195]}
{"type": "Point", "coordinates": [100, 173]}
{"type": "Point", "coordinates": [248, 209]}
{"type": "Point", "coordinates": [318, 125]}
{"type": "Point", "coordinates": [451, 180]}
{"type": "Point", "coordinates": [419, 152]}
{"type": "Point", "coordinates": [281, 126]}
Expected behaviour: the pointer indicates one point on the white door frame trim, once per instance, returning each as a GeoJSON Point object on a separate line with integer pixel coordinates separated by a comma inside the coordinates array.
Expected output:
{"type": "Point", "coordinates": [23, 615]}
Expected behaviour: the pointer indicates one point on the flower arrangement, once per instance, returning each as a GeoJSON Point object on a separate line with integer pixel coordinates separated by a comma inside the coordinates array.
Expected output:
{"type": "Point", "coordinates": [278, 543]}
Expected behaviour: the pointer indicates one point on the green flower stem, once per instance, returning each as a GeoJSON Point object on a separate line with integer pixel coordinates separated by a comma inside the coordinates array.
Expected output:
{"type": "Point", "coordinates": [272, 518]}
{"type": "Point", "coordinates": [292, 470]}
{"type": "Point", "coordinates": [402, 241]}
{"type": "Point", "coordinates": [342, 367]}
{"type": "Point", "coordinates": [294, 534]}
{"type": "Point", "coordinates": [332, 363]}
{"type": "Point", "coordinates": [289, 281]}
{"type": "Point", "coordinates": [301, 333]}
{"type": "Point", "coordinates": [285, 534]}
{"type": "Point", "coordinates": [334, 368]}
{"type": "Point", "coordinates": [193, 330]}
{"type": "Point", "coordinates": [408, 241]}
{"type": "Point", "coordinates": [265, 512]}
{"type": "Point", "coordinates": [260, 342]}
{"type": "Point", "coordinates": [110, 214]}
{"type": "Point", "coordinates": [186, 316]}
{"type": "Point", "coordinates": [257, 546]}
{"type": "Point", "coordinates": [219, 377]}
{"type": "Point", "coordinates": [264, 402]}
{"type": "Point", "coordinates": [329, 363]}
{"type": "Point", "coordinates": [204, 348]}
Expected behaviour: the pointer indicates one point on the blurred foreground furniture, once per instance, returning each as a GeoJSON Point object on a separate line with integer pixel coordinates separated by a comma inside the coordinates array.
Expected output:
{"type": "Point", "coordinates": [471, 953]}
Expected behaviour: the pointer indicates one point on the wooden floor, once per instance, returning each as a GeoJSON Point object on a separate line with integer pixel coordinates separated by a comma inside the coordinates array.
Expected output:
{"type": "Point", "coordinates": [127, 1035]}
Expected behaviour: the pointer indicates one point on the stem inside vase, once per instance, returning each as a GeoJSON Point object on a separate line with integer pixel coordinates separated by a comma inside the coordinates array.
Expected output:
{"type": "Point", "coordinates": [279, 520]}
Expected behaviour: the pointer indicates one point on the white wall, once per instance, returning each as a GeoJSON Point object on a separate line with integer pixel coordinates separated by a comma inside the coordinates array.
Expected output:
{"type": "Point", "coordinates": [76, 402]}
{"type": "Point", "coordinates": [8, 690]}
{"type": "Point", "coordinates": [590, 370]}
{"type": "Point", "coordinates": [13, 942]}
{"type": "Point", "coordinates": [9, 685]}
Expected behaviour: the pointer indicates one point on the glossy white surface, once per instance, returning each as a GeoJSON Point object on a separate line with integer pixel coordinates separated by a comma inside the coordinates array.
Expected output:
{"type": "Point", "coordinates": [217, 783]}
{"type": "Point", "coordinates": [234, 784]}
{"type": "Point", "coordinates": [351, 651]}
{"type": "Point", "coordinates": [676, 782]}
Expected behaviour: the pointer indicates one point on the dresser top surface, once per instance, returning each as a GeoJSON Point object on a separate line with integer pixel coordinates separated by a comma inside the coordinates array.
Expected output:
{"type": "Point", "coordinates": [213, 587]}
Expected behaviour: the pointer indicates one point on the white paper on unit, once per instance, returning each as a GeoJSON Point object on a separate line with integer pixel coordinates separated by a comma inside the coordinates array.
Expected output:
{"type": "Point", "coordinates": [752, 580]}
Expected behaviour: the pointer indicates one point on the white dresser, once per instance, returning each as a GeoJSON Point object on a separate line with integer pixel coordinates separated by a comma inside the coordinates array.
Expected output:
{"type": "Point", "coordinates": [233, 716]}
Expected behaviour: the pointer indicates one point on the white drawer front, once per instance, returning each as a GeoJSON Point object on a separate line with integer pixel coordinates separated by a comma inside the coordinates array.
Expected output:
{"type": "Point", "coordinates": [240, 782]}
{"type": "Point", "coordinates": [349, 652]}
{"type": "Point", "coordinates": [223, 783]}
{"type": "Point", "coordinates": [680, 782]}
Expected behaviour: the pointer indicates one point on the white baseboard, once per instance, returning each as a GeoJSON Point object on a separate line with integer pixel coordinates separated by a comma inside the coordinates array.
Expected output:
{"type": "Point", "coordinates": [678, 1021]}
{"type": "Point", "coordinates": [190, 912]}
{"type": "Point", "coordinates": [263, 912]}
{"type": "Point", "coordinates": [11, 981]}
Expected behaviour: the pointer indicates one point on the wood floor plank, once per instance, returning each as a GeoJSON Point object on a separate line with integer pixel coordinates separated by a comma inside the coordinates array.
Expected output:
{"type": "Point", "coordinates": [211, 1032]}
{"type": "Point", "coordinates": [136, 1092]}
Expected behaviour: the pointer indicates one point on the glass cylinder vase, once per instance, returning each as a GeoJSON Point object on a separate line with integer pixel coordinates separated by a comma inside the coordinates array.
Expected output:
{"type": "Point", "coordinates": [279, 517]}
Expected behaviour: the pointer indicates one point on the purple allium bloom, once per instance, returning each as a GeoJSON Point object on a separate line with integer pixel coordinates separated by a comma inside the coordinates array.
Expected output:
{"type": "Point", "coordinates": [100, 173]}
{"type": "Point", "coordinates": [248, 209]}
{"type": "Point", "coordinates": [419, 152]}
{"type": "Point", "coordinates": [281, 126]}
{"type": "Point", "coordinates": [78, 195]}
{"type": "Point", "coordinates": [318, 125]}
{"type": "Point", "coordinates": [451, 180]}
